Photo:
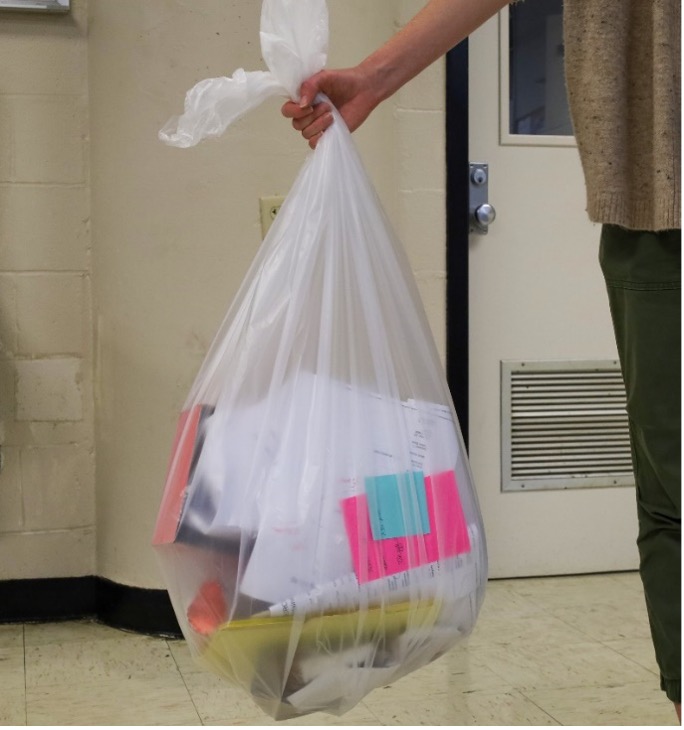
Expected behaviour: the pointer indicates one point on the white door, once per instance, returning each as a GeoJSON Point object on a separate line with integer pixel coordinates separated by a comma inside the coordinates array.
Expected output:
{"type": "Point", "coordinates": [538, 303]}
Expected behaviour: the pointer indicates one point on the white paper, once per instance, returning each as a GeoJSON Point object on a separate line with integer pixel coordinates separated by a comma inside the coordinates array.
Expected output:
{"type": "Point", "coordinates": [279, 469]}
{"type": "Point", "coordinates": [448, 580]}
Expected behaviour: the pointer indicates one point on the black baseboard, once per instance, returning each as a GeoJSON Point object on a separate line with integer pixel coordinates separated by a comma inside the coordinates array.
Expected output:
{"type": "Point", "coordinates": [47, 599]}
{"type": "Point", "coordinates": [144, 610]}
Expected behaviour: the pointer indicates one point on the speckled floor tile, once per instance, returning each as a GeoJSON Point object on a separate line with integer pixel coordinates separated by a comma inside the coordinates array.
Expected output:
{"type": "Point", "coordinates": [504, 629]}
{"type": "Point", "coordinates": [356, 717]}
{"type": "Point", "coordinates": [181, 654]}
{"type": "Point", "coordinates": [12, 667]}
{"type": "Point", "coordinates": [57, 633]}
{"type": "Point", "coordinates": [11, 636]}
{"type": "Point", "coordinates": [12, 689]}
{"type": "Point", "coordinates": [128, 656]}
{"type": "Point", "coordinates": [547, 664]}
{"type": "Point", "coordinates": [220, 703]}
{"type": "Point", "coordinates": [13, 704]}
{"type": "Point", "coordinates": [429, 695]}
{"type": "Point", "coordinates": [630, 581]}
{"type": "Point", "coordinates": [570, 650]}
{"type": "Point", "coordinates": [561, 592]}
{"type": "Point", "coordinates": [405, 704]}
{"type": "Point", "coordinates": [630, 704]}
{"type": "Point", "coordinates": [135, 701]}
{"type": "Point", "coordinates": [503, 708]}
{"type": "Point", "coordinates": [501, 598]}
{"type": "Point", "coordinates": [638, 650]}
{"type": "Point", "coordinates": [459, 670]}
{"type": "Point", "coordinates": [597, 620]}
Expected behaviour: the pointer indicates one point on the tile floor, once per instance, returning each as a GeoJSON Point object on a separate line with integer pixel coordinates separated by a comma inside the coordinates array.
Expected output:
{"type": "Point", "coordinates": [553, 651]}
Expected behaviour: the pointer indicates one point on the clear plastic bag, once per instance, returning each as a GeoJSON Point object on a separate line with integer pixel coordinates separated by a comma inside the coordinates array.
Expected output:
{"type": "Point", "coordinates": [319, 531]}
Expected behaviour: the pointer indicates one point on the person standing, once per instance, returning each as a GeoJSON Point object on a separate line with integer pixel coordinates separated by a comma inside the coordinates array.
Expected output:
{"type": "Point", "coordinates": [623, 74]}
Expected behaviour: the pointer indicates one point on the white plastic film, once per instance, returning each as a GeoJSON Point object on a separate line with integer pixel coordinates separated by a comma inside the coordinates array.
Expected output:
{"type": "Point", "coordinates": [294, 44]}
{"type": "Point", "coordinates": [319, 530]}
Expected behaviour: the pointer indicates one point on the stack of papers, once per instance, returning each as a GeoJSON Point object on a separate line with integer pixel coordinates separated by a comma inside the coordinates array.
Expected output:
{"type": "Point", "coordinates": [318, 542]}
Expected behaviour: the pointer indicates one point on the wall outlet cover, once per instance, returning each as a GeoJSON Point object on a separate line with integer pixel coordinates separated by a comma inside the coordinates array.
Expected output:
{"type": "Point", "coordinates": [269, 207]}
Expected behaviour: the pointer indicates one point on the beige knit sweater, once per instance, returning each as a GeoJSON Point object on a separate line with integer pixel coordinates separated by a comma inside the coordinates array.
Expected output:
{"type": "Point", "coordinates": [623, 61]}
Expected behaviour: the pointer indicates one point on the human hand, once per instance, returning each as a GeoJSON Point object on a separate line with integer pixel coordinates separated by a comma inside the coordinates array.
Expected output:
{"type": "Point", "coordinates": [350, 92]}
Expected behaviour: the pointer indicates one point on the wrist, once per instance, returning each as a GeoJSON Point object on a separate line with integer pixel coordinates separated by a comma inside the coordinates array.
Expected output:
{"type": "Point", "coordinates": [380, 77]}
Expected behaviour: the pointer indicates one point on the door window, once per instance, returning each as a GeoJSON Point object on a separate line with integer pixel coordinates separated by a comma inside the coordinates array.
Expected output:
{"type": "Point", "coordinates": [534, 103]}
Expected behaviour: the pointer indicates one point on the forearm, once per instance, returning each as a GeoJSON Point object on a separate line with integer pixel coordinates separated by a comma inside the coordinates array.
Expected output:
{"type": "Point", "coordinates": [437, 28]}
{"type": "Point", "coordinates": [356, 91]}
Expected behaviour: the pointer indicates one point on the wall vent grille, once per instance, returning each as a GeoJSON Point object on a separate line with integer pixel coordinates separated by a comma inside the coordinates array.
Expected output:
{"type": "Point", "coordinates": [564, 425]}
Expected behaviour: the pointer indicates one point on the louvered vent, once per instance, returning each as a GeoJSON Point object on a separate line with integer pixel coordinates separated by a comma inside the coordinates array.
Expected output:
{"type": "Point", "coordinates": [564, 425]}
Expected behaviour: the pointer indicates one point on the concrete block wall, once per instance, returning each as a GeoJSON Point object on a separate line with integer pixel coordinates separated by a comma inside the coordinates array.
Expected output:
{"type": "Point", "coordinates": [166, 226]}
{"type": "Point", "coordinates": [47, 494]}
{"type": "Point", "coordinates": [420, 116]}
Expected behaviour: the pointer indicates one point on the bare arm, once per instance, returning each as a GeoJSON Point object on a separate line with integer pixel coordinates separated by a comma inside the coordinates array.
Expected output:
{"type": "Point", "coordinates": [356, 91]}
{"type": "Point", "coordinates": [437, 28]}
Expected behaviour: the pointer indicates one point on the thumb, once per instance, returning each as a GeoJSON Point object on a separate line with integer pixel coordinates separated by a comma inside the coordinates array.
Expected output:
{"type": "Point", "coordinates": [309, 89]}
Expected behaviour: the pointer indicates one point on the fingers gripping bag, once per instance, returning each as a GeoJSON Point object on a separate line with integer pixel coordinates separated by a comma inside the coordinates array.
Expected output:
{"type": "Point", "coordinates": [319, 532]}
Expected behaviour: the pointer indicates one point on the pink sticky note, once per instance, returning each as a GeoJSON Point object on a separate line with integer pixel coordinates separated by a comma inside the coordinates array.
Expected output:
{"type": "Point", "coordinates": [448, 534]}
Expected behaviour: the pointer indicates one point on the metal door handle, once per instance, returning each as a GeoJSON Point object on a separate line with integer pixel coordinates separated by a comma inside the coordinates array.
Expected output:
{"type": "Point", "coordinates": [485, 214]}
{"type": "Point", "coordinates": [482, 213]}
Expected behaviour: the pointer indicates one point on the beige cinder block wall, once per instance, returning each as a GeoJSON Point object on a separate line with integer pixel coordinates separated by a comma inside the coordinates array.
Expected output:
{"type": "Point", "coordinates": [47, 499]}
{"type": "Point", "coordinates": [420, 118]}
{"type": "Point", "coordinates": [174, 231]}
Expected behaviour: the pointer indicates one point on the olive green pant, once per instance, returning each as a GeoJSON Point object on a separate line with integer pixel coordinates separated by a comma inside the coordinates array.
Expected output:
{"type": "Point", "coordinates": [643, 276]}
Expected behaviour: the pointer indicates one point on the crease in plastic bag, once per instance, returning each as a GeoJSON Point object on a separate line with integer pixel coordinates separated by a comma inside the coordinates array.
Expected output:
{"type": "Point", "coordinates": [319, 532]}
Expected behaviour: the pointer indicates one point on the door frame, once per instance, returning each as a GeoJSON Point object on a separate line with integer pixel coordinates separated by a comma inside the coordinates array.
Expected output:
{"type": "Point", "coordinates": [457, 231]}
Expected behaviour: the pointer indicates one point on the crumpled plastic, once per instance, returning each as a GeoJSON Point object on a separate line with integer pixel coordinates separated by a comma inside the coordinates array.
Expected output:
{"type": "Point", "coordinates": [294, 44]}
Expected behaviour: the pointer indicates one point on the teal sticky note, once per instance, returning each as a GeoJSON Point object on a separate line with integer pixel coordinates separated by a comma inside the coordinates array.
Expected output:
{"type": "Point", "coordinates": [397, 505]}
